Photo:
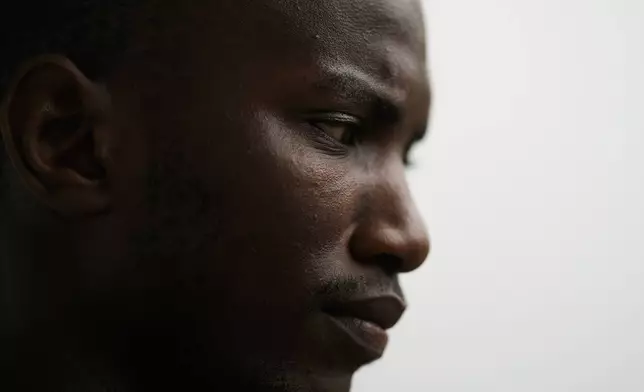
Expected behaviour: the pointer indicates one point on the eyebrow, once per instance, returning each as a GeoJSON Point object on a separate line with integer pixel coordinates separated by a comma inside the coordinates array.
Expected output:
{"type": "Point", "coordinates": [356, 86]}
{"type": "Point", "coordinates": [353, 85]}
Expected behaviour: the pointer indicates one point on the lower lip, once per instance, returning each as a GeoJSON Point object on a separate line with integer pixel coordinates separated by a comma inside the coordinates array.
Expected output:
{"type": "Point", "coordinates": [366, 334]}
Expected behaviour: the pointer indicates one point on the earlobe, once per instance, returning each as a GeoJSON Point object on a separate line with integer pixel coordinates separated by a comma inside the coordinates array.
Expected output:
{"type": "Point", "coordinates": [54, 124]}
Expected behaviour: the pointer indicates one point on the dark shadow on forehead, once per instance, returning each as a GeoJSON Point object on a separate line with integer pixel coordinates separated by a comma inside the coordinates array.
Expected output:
{"type": "Point", "coordinates": [258, 28]}
{"type": "Point", "coordinates": [238, 45]}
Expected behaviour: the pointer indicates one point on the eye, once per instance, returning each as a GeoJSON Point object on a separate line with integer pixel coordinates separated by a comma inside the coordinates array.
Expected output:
{"type": "Point", "coordinates": [342, 128]}
{"type": "Point", "coordinates": [408, 161]}
{"type": "Point", "coordinates": [407, 153]}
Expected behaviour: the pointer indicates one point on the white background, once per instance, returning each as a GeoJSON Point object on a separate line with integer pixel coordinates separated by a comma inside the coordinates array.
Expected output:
{"type": "Point", "coordinates": [533, 187]}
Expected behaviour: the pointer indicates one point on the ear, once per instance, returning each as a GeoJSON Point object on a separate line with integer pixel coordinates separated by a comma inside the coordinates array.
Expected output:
{"type": "Point", "coordinates": [54, 124]}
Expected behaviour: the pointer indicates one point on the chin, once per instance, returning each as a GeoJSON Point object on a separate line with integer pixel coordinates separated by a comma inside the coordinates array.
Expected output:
{"type": "Point", "coordinates": [292, 376]}
{"type": "Point", "coordinates": [299, 381]}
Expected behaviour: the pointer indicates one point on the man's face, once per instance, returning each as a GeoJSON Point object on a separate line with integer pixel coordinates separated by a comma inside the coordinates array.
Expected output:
{"type": "Point", "coordinates": [261, 201]}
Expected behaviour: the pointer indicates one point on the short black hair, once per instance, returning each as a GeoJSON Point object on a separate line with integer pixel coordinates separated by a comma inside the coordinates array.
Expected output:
{"type": "Point", "coordinates": [91, 33]}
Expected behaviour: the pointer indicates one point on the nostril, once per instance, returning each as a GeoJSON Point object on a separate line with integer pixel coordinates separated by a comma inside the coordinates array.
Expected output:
{"type": "Point", "coordinates": [389, 263]}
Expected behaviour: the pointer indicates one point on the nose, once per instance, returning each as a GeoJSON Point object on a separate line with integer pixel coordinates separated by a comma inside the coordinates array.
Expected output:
{"type": "Point", "coordinates": [389, 229]}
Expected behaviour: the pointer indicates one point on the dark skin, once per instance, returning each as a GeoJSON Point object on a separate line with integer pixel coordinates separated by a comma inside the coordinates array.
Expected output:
{"type": "Point", "coordinates": [189, 221]}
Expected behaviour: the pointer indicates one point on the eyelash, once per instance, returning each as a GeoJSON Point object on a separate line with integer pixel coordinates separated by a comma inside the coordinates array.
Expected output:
{"type": "Point", "coordinates": [354, 126]}
{"type": "Point", "coordinates": [351, 127]}
{"type": "Point", "coordinates": [407, 161]}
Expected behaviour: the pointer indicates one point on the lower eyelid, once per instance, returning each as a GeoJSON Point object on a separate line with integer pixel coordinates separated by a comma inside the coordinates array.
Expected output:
{"type": "Point", "coordinates": [325, 142]}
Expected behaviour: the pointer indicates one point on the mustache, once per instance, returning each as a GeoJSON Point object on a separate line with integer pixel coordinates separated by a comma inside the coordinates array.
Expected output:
{"type": "Point", "coordinates": [356, 287]}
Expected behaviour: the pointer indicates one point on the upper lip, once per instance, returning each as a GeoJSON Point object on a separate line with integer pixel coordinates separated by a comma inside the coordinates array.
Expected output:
{"type": "Point", "coordinates": [384, 311]}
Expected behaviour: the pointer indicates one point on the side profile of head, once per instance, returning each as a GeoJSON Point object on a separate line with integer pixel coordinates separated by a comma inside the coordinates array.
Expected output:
{"type": "Point", "coordinates": [205, 195]}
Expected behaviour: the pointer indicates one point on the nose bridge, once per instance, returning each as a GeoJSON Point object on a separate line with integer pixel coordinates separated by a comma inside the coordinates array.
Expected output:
{"type": "Point", "coordinates": [390, 226]}
{"type": "Point", "coordinates": [393, 190]}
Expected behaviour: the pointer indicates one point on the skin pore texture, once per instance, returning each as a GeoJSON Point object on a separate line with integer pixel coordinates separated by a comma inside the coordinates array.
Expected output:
{"type": "Point", "coordinates": [199, 218]}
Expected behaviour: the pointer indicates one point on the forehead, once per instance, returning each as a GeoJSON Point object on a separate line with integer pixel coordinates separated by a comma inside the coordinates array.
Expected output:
{"type": "Point", "coordinates": [379, 39]}
{"type": "Point", "coordinates": [349, 23]}
{"type": "Point", "coordinates": [257, 27]}
{"type": "Point", "coordinates": [384, 38]}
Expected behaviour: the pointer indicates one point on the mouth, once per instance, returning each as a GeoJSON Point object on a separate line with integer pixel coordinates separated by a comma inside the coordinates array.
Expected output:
{"type": "Point", "coordinates": [366, 321]}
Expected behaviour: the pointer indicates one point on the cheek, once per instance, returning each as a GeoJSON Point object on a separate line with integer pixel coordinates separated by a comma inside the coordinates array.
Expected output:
{"type": "Point", "coordinates": [278, 228]}
{"type": "Point", "coordinates": [243, 229]}
{"type": "Point", "coordinates": [312, 192]}
{"type": "Point", "coordinates": [267, 206]}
